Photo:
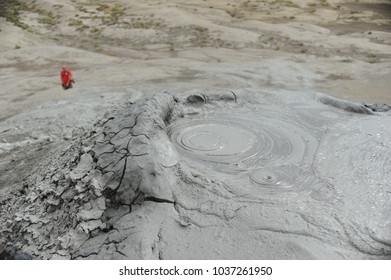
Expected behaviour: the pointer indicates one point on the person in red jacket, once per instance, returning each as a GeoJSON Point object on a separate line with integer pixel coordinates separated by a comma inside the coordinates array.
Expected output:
{"type": "Point", "coordinates": [66, 78]}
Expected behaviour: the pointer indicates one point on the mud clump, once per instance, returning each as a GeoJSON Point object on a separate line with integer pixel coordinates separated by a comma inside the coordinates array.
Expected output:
{"type": "Point", "coordinates": [189, 177]}
{"type": "Point", "coordinates": [378, 107]}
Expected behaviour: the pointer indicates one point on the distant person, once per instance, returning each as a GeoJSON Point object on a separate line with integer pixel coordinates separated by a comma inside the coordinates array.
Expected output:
{"type": "Point", "coordinates": [66, 78]}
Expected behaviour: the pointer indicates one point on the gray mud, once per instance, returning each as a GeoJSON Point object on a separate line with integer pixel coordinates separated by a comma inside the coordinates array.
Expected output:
{"type": "Point", "coordinates": [245, 175]}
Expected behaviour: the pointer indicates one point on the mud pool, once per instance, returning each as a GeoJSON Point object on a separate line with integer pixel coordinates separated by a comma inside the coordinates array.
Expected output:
{"type": "Point", "coordinates": [250, 174]}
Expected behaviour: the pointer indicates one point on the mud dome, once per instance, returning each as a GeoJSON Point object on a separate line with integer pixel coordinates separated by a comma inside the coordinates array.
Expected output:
{"type": "Point", "coordinates": [249, 174]}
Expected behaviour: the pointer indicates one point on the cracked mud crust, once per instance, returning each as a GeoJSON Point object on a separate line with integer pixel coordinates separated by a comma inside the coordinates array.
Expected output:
{"type": "Point", "coordinates": [127, 189]}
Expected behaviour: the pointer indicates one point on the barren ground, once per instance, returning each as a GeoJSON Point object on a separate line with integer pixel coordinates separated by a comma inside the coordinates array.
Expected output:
{"type": "Point", "coordinates": [123, 50]}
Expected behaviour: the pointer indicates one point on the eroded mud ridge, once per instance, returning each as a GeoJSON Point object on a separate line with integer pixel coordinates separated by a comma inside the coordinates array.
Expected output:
{"type": "Point", "coordinates": [246, 174]}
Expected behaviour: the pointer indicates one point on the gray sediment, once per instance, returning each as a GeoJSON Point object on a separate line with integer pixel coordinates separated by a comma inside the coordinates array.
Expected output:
{"type": "Point", "coordinates": [244, 175]}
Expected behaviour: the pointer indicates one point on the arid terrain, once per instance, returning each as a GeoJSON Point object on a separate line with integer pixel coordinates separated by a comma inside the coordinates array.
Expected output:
{"type": "Point", "coordinates": [340, 48]}
{"type": "Point", "coordinates": [120, 51]}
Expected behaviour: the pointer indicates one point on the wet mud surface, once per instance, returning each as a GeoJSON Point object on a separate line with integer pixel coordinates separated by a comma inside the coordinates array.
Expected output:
{"type": "Point", "coordinates": [250, 174]}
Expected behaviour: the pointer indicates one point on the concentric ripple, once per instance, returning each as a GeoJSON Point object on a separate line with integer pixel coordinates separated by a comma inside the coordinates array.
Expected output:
{"type": "Point", "coordinates": [261, 150]}
{"type": "Point", "coordinates": [266, 177]}
{"type": "Point", "coordinates": [245, 138]}
{"type": "Point", "coordinates": [280, 178]}
{"type": "Point", "coordinates": [216, 141]}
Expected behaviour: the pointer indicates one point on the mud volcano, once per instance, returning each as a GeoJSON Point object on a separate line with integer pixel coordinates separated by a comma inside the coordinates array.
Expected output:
{"type": "Point", "coordinates": [245, 175]}
{"type": "Point", "coordinates": [251, 148]}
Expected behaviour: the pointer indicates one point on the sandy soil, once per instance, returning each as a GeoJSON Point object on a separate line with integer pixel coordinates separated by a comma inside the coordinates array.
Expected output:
{"type": "Point", "coordinates": [123, 50]}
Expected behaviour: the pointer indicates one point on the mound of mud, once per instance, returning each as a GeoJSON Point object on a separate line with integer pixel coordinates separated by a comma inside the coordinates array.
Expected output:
{"type": "Point", "coordinates": [244, 175]}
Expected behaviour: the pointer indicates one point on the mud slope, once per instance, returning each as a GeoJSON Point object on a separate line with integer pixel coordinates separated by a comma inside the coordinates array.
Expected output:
{"type": "Point", "coordinates": [249, 174]}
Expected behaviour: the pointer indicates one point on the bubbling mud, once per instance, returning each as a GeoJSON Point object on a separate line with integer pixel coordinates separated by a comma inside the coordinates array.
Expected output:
{"type": "Point", "coordinates": [299, 152]}
{"type": "Point", "coordinates": [244, 138]}
{"type": "Point", "coordinates": [217, 141]}
{"type": "Point", "coordinates": [244, 146]}
{"type": "Point", "coordinates": [279, 178]}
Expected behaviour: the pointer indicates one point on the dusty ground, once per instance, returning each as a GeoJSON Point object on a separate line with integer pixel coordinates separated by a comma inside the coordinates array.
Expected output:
{"type": "Point", "coordinates": [335, 47]}
{"type": "Point", "coordinates": [126, 49]}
